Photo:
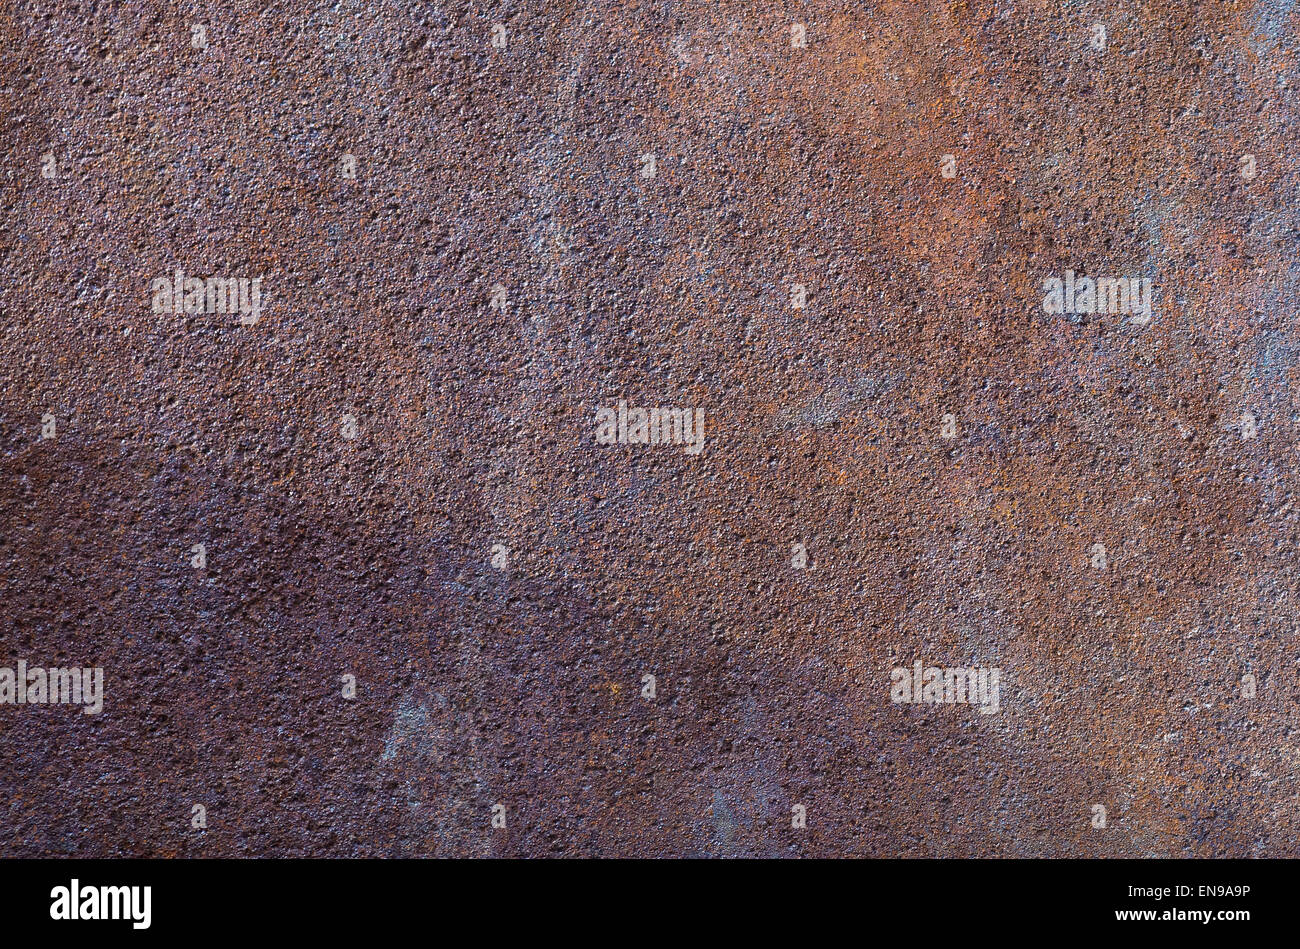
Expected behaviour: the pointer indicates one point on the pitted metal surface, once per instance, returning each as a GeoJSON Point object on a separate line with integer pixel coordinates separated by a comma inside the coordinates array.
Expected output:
{"type": "Point", "coordinates": [827, 231]}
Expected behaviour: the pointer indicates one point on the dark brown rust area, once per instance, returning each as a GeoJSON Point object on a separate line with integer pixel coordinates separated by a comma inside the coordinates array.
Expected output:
{"type": "Point", "coordinates": [523, 167]}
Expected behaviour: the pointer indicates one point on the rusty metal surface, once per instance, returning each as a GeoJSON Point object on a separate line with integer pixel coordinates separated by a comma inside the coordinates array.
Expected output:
{"type": "Point", "coordinates": [497, 580]}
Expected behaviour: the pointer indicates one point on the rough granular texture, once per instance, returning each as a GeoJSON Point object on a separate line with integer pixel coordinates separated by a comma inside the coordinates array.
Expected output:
{"type": "Point", "coordinates": [829, 230]}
